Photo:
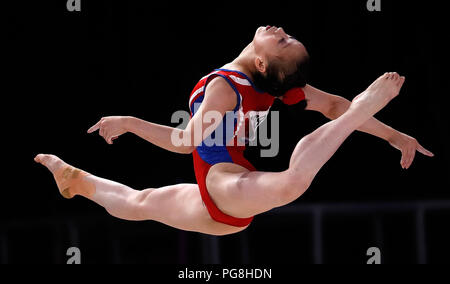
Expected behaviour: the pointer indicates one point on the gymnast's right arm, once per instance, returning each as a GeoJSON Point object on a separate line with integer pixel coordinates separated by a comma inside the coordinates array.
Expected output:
{"type": "Point", "coordinates": [219, 99]}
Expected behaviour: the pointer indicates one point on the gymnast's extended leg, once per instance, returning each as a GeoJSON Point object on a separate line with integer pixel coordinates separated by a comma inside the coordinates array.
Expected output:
{"type": "Point", "coordinates": [241, 193]}
{"type": "Point", "coordinates": [179, 206]}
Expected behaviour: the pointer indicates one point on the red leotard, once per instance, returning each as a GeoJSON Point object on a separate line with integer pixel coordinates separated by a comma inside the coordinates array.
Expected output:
{"type": "Point", "coordinates": [251, 104]}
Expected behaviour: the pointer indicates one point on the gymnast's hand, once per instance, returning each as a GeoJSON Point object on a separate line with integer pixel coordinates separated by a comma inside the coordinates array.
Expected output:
{"type": "Point", "coordinates": [110, 128]}
{"type": "Point", "coordinates": [408, 146]}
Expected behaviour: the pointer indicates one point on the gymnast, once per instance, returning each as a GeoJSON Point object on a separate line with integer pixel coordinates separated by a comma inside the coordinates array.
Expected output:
{"type": "Point", "coordinates": [229, 190]}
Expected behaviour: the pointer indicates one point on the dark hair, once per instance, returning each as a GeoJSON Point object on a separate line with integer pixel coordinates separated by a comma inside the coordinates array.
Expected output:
{"type": "Point", "coordinates": [277, 81]}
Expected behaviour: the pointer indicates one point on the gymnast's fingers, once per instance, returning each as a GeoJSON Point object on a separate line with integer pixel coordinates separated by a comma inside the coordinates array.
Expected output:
{"type": "Point", "coordinates": [95, 127]}
{"type": "Point", "coordinates": [424, 151]}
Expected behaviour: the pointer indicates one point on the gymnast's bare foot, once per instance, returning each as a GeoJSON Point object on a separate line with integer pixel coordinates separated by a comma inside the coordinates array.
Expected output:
{"type": "Point", "coordinates": [71, 181]}
{"type": "Point", "coordinates": [52, 162]}
{"type": "Point", "coordinates": [379, 94]}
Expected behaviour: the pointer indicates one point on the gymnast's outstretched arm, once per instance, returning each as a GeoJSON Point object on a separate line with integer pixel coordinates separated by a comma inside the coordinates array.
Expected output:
{"type": "Point", "coordinates": [334, 106]}
{"type": "Point", "coordinates": [215, 105]}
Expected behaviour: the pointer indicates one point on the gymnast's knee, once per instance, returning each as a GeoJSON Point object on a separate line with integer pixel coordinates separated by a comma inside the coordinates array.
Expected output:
{"type": "Point", "coordinates": [294, 186]}
{"type": "Point", "coordinates": [139, 206]}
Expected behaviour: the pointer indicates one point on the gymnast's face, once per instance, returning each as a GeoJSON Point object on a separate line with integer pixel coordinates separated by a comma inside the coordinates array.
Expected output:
{"type": "Point", "coordinates": [272, 43]}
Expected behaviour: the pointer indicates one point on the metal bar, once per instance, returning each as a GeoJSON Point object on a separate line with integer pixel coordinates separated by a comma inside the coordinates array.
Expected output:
{"type": "Point", "coordinates": [245, 255]}
{"type": "Point", "coordinates": [299, 208]}
{"type": "Point", "coordinates": [182, 248]}
{"type": "Point", "coordinates": [421, 237]}
{"type": "Point", "coordinates": [115, 248]}
{"type": "Point", "coordinates": [362, 207]}
{"type": "Point", "coordinates": [379, 236]}
{"type": "Point", "coordinates": [317, 237]}
{"type": "Point", "coordinates": [211, 250]}
{"type": "Point", "coordinates": [58, 253]}
{"type": "Point", "coordinates": [74, 236]}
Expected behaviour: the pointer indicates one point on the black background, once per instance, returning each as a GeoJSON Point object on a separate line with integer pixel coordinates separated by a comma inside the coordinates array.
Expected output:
{"type": "Point", "coordinates": [66, 70]}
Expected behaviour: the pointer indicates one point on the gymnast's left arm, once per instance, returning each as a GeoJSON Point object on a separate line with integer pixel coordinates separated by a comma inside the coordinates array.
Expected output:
{"type": "Point", "coordinates": [334, 106]}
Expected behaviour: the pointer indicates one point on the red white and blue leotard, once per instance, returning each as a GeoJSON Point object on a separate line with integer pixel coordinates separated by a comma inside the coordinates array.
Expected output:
{"type": "Point", "coordinates": [251, 106]}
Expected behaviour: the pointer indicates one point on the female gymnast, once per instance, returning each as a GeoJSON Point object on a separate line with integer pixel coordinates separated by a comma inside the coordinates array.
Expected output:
{"type": "Point", "coordinates": [230, 191]}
